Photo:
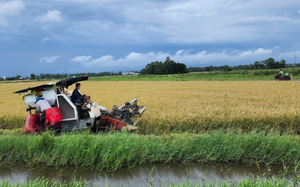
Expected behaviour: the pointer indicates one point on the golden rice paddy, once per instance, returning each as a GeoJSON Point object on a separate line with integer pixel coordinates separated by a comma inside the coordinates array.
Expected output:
{"type": "Point", "coordinates": [192, 106]}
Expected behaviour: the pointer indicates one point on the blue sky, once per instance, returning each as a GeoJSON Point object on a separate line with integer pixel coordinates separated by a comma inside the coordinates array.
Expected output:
{"type": "Point", "coordinates": [71, 36]}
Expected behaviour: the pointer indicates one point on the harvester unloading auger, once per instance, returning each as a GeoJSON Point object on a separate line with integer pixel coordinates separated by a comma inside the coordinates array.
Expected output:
{"type": "Point", "coordinates": [64, 113]}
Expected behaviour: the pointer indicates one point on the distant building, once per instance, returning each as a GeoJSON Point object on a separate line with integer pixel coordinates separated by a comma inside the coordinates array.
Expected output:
{"type": "Point", "coordinates": [130, 73]}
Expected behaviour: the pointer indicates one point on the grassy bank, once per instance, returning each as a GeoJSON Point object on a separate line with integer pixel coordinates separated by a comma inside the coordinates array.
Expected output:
{"type": "Point", "coordinates": [235, 75]}
{"type": "Point", "coordinates": [205, 76]}
{"type": "Point", "coordinates": [243, 183]}
{"type": "Point", "coordinates": [111, 151]}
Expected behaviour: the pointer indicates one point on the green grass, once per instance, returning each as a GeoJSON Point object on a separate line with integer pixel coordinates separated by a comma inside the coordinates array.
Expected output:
{"type": "Point", "coordinates": [243, 183]}
{"type": "Point", "coordinates": [112, 151]}
{"type": "Point", "coordinates": [235, 75]}
{"type": "Point", "coordinates": [42, 183]}
{"type": "Point", "coordinates": [185, 77]}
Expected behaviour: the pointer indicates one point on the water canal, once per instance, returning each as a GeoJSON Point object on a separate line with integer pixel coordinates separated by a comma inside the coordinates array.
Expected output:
{"type": "Point", "coordinates": [145, 174]}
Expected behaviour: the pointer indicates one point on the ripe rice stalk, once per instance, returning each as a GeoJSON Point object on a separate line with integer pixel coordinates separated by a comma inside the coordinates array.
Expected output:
{"type": "Point", "coordinates": [189, 106]}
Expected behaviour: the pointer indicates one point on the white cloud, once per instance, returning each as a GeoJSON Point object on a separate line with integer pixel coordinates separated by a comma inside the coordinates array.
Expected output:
{"type": "Point", "coordinates": [10, 8]}
{"type": "Point", "coordinates": [184, 56]}
{"type": "Point", "coordinates": [49, 59]}
{"type": "Point", "coordinates": [290, 55]}
{"type": "Point", "coordinates": [81, 58]}
{"type": "Point", "coordinates": [51, 16]}
{"type": "Point", "coordinates": [87, 61]}
{"type": "Point", "coordinates": [45, 39]}
{"type": "Point", "coordinates": [259, 51]}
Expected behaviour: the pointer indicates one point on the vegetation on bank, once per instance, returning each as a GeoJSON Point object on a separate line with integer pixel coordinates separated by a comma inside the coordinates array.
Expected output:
{"type": "Point", "coordinates": [269, 63]}
{"type": "Point", "coordinates": [235, 75]}
{"type": "Point", "coordinates": [248, 182]}
{"type": "Point", "coordinates": [114, 150]}
{"type": "Point", "coordinates": [214, 75]}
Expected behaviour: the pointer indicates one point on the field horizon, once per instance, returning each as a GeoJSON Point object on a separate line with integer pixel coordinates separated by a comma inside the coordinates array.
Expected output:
{"type": "Point", "coordinates": [234, 75]}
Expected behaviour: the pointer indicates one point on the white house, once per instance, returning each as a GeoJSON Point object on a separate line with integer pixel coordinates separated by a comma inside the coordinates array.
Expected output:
{"type": "Point", "coordinates": [129, 73]}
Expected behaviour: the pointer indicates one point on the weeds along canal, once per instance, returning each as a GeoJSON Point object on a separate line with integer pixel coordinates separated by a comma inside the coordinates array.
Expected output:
{"type": "Point", "coordinates": [146, 175]}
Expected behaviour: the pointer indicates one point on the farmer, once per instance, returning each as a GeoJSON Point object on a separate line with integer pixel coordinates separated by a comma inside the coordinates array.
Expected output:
{"type": "Point", "coordinates": [280, 73]}
{"type": "Point", "coordinates": [41, 106]}
{"type": "Point", "coordinates": [77, 98]}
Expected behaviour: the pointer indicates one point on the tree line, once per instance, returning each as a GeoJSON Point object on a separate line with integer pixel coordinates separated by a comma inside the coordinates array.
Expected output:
{"type": "Point", "coordinates": [166, 67]}
{"type": "Point", "coordinates": [269, 63]}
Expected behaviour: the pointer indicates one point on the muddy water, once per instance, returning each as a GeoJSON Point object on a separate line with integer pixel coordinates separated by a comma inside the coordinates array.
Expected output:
{"type": "Point", "coordinates": [141, 175]}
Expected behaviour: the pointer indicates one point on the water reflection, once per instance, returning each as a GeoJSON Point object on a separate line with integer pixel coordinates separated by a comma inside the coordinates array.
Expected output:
{"type": "Point", "coordinates": [140, 175]}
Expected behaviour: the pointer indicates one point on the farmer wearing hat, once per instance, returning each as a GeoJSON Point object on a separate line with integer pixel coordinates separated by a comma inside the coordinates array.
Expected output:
{"type": "Point", "coordinates": [41, 106]}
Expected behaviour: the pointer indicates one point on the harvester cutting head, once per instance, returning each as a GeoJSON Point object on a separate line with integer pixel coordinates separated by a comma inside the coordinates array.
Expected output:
{"type": "Point", "coordinates": [129, 113]}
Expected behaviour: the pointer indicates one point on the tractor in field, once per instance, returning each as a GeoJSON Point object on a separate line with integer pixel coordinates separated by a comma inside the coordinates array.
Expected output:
{"type": "Point", "coordinates": [283, 77]}
{"type": "Point", "coordinates": [63, 116]}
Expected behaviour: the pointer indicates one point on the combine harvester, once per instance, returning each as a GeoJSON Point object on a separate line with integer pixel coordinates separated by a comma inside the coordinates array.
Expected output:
{"type": "Point", "coordinates": [63, 116]}
{"type": "Point", "coordinates": [285, 77]}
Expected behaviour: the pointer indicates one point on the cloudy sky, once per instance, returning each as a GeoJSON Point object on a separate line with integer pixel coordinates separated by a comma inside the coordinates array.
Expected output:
{"type": "Point", "coordinates": [70, 36]}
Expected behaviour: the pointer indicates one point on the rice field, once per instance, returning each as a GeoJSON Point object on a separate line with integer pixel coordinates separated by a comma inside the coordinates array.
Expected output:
{"type": "Point", "coordinates": [186, 106]}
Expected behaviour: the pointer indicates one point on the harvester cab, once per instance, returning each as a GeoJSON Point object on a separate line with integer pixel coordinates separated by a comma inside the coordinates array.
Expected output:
{"type": "Point", "coordinates": [97, 118]}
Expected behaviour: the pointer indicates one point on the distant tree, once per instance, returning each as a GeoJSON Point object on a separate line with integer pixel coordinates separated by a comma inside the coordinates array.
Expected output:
{"type": "Point", "coordinates": [166, 67]}
{"type": "Point", "coordinates": [282, 63]}
{"type": "Point", "coordinates": [32, 76]}
{"type": "Point", "coordinates": [206, 68]}
{"type": "Point", "coordinates": [259, 65]}
{"type": "Point", "coordinates": [18, 77]}
{"type": "Point", "coordinates": [120, 72]}
{"type": "Point", "coordinates": [270, 63]}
